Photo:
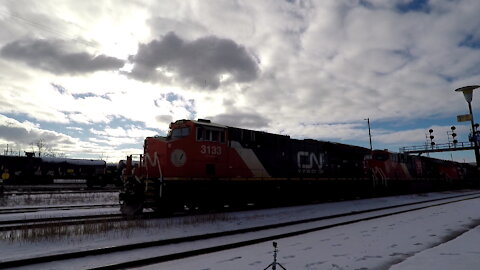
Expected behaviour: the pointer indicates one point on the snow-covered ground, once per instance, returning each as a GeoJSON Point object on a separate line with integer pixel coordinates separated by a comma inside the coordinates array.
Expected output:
{"type": "Point", "coordinates": [404, 241]}
{"type": "Point", "coordinates": [442, 238]}
{"type": "Point", "coordinates": [461, 253]}
{"type": "Point", "coordinates": [33, 199]}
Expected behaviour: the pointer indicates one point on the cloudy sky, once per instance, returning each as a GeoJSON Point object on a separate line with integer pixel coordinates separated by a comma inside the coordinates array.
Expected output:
{"type": "Point", "coordinates": [93, 78]}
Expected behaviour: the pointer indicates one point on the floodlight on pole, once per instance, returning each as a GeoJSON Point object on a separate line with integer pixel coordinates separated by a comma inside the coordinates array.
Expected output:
{"type": "Point", "coordinates": [468, 94]}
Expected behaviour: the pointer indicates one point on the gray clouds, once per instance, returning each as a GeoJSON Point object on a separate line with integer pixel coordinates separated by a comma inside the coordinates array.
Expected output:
{"type": "Point", "coordinates": [205, 62]}
{"type": "Point", "coordinates": [25, 133]}
{"type": "Point", "coordinates": [241, 119]}
{"type": "Point", "coordinates": [54, 56]}
{"type": "Point", "coordinates": [305, 68]}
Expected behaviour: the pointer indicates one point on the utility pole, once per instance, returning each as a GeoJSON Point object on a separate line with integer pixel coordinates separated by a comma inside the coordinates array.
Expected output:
{"type": "Point", "coordinates": [369, 133]}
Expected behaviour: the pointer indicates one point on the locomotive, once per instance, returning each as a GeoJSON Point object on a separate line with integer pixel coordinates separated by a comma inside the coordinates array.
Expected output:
{"type": "Point", "coordinates": [200, 164]}
{"type": "Point", "coordinates": [43, 170]}
{"type": "Point", "coordinates": [402, 171]}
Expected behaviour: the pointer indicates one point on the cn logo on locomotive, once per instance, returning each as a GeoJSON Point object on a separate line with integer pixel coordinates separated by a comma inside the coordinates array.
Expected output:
{"type": "Point", "coordinates": [309, 162]}
{"type": "Point", "coordinates": [178, 157]}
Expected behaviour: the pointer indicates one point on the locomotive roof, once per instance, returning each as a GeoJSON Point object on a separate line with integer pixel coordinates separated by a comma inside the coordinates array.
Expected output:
{"type": "Point", "coordinates": [208, 123]}
{"type": "Point", "coordinates": [202, 122]}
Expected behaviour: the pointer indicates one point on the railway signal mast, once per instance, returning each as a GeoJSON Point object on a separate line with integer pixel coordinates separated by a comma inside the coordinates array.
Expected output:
{"type": "Point", "coordinates": [455, 145]}
{"type": "Point", "coordinates": [468, 94]}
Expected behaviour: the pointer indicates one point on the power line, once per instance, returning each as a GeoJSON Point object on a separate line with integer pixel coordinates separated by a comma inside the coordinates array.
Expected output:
{"type": "Point", "coordinates": [24, 21]}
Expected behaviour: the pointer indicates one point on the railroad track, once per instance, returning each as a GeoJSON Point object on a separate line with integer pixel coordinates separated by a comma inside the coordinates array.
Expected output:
{"type": "Point", "coordinates": [24, 224]}
{"type": "Point", "coordinates": [27, 209]}
{"type": "Point", "coordinates": [12, 192]}
{"type": "Point", "coordinates": [208, 243]}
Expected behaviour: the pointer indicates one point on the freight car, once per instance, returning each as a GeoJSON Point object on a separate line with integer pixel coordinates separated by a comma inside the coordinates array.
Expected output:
{"type": "Point", "coordinates": [43, 170]}
{"type": "Point", "coordinates": [203, 164]}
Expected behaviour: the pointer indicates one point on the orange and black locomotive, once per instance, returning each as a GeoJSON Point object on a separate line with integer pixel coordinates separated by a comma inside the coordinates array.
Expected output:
{"type": "Point", "coordinates": [204, 164]}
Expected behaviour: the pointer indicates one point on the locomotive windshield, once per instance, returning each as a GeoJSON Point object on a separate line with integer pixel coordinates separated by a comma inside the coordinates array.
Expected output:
{"type": "Point", "coordinates": [180, 132]}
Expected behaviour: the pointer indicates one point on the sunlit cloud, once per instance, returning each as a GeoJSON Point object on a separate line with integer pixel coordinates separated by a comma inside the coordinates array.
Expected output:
{"type": "Point", "coordinates": [105, 75]}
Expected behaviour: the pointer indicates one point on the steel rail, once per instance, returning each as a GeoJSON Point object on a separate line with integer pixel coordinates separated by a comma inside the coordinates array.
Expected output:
{"type": "Point", "coordinates": [10, 192]}
{"type": "Point", "coordinates": [24, 224]}
{"type": "Point", "coordinates": [179, 255]}
{"type": "Point", "coordinates": [16, 210]}
{"type": "Point", "coordinates": [203, 251]}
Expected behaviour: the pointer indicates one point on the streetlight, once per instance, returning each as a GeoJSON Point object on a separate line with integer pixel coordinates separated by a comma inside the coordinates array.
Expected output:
{"type": "Point", "coordinates": [468, 93]}
{"type": "Point", "coordinates": [369, 133]}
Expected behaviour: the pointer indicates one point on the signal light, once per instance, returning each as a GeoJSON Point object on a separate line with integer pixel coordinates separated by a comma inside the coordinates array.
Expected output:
{"type": "Point", "coordinates": [453, 128]}
{"type": "Point", "coordinates": [431, 137]}
{"type": "Point", "coordinates": [432, 143]}
{"type": "Point", "coordinates": [455, 141]}
{"type": "Point", "coordinates": [454, 134]}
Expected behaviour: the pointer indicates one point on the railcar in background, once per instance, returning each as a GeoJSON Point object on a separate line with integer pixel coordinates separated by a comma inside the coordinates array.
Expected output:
{"type": "Point", "coordinates": [113, 173]}
{"type": "Point", "coordinates": [43, 170]}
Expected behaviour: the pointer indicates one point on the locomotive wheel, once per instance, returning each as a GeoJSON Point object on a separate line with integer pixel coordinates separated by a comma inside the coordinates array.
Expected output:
{"type": "Point", "coordinates": [131, 208]}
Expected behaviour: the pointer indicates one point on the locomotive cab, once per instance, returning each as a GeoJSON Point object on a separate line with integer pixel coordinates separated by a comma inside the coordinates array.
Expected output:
{"type": "Point", "coordinates": [193, 149]}
{"type": "Point", "coordinates": [192, 152]}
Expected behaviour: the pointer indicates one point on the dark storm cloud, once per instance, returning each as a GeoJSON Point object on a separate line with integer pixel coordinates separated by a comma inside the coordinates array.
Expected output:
{"type": "Point", "coordinates": [201, 62]}
{"type": "Point", "coordinates": [53, 56]}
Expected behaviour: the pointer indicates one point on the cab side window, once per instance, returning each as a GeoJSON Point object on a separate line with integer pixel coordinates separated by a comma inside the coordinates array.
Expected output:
{"type": "Point", "coordinates": [381, 157]}
{"type": "Point", "coordinates": [210, 134]}
{"type": "Point", "coordinates": [180, 132]}
{"type": "Point", "coordinates": [200, 133]}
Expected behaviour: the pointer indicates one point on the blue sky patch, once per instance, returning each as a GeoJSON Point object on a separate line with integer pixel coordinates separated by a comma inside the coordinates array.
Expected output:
{"type": "Point", "coordinates": [414, 6]}
{"type": "Point", "coordinates": [470, 41]}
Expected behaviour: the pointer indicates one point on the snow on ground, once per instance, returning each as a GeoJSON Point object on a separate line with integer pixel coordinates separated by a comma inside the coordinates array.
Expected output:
{"type": "Point", "coordinates": [461, 253]}
{"type": "Point", "coordinates": [64, 200]}
{"type": "Point", "coordinates": [375, 244]}
{"type": "Point", "coordinates": [419, 240]}
{"type": "Point", "coordinates": [8, 201]}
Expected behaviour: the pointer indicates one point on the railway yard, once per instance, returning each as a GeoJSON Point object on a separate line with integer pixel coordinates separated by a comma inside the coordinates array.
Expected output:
{"type": "Point", "coordinates": [83, 230]}
{"type": "Point", "coordinates": [240, 135]}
